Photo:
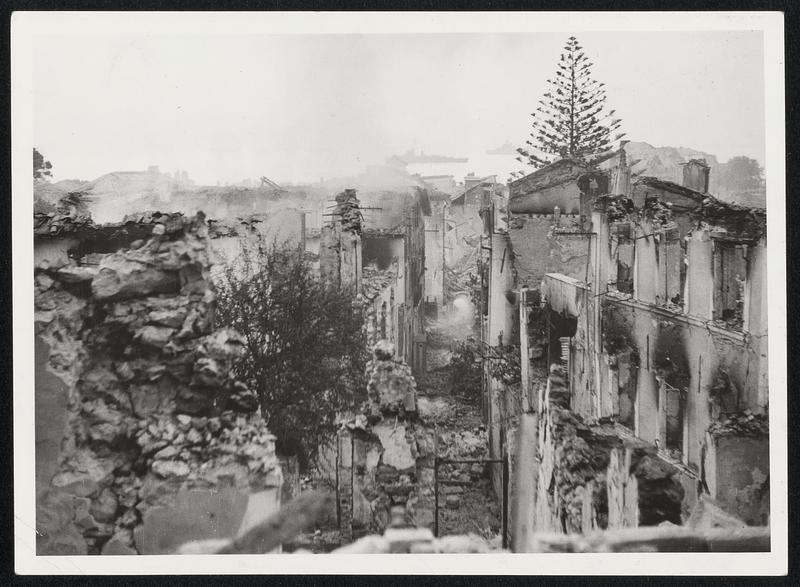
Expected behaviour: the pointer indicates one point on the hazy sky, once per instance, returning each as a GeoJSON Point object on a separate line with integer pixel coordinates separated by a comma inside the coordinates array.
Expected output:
{"type": "Point", "coordinates": [297, 107]}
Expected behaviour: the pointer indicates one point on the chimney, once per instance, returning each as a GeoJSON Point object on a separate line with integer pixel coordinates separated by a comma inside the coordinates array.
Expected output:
{"type": "Point", "coordinates": [622, 177]}
{"type": "Point", "coordinates": [471, 180]}
{"type": "Point", "coordinates": [695, 175]}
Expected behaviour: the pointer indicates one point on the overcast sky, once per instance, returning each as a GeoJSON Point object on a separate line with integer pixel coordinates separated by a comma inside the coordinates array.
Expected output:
{"type": "Point", "coordinates": [298, 107]}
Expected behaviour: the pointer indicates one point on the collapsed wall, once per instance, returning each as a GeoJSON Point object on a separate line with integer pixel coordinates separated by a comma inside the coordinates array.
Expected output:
{"type": "Point", "coordinates": [385, 455]}
{"type": "Point", "coordinates": [144, 439]}
{"type": "Point", "coordinates": [591, 476]}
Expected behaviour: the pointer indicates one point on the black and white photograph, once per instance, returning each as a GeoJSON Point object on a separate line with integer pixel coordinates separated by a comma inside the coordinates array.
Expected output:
{"type": "Point", "coordinates": [313, 284]}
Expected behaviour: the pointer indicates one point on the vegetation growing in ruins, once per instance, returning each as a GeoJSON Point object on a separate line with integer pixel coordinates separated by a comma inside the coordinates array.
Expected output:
{"type": "Point", "coordinates": [41, 167]}
{"type": "Point", "coordinates": [571, 119]}
{"type": "Point", "coordinates": [466, 370]}
{"type": "Point", "coordinates": [506, 365]}
{"type": "Point", "coordinates": [306, 349]}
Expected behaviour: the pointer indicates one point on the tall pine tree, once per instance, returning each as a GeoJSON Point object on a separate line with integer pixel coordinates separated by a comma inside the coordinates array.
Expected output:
{"type": "Point", "coordinates": [570, 120]}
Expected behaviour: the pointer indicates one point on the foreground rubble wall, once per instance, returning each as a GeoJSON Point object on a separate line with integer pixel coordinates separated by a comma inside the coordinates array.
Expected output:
{"type": "Point", "coordinates": [144, 440]}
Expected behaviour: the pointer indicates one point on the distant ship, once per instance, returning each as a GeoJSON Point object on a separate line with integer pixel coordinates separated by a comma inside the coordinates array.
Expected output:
{"type": "Point", "coordinates": [505, 149]}
{"type": "Point", "coordinates": [411, 157]}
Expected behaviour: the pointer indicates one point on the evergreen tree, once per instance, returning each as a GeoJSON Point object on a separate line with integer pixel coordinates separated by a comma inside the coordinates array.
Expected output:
{"type": "Point", "coordinates": [570, 120]}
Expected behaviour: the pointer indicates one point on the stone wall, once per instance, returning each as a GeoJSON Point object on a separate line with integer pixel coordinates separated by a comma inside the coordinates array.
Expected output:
{"type": "Point", "coordinates": [144, 440]}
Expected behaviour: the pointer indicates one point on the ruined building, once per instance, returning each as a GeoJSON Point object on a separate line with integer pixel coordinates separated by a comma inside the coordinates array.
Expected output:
{"type": "Point", "coordinates": [375, 243]}
{"type": "Point", "coordinates": [649, 297]}
{"type": "Point", "coordinates": [144, 438]}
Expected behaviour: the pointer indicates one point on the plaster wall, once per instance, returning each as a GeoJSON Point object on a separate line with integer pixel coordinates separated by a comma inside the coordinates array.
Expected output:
{"type": "Point", "coordinates": [737, 476]}
{"type": "Point", "coordinates": [538, 249]}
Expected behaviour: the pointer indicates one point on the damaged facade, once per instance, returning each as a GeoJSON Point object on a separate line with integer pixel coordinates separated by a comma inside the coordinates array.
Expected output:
{"type": "Point", "coordinates": [650, 297]}
{"type": "Point", "coordinates": [144, 439]}
{"type": "Point", "coordinates": [375, 242]}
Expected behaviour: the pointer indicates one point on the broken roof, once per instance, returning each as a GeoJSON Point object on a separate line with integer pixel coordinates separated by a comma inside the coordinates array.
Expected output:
{"type": "Point", "coordinates": [740, 221]}
{"type": "Point", "coordinates": [564, 169]}
{"type": "Point", "coordinates": [532, 194]}
{"type": "Point", "coordinates": [671, 186]}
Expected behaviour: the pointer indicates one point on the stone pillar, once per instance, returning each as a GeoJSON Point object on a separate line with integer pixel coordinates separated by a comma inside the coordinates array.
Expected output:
{"type": "Point", "coordinates": [623, 491]}
{"type": "Point", "coordinates": [523, 504]}
{"type": "Point", "coordinates": [344, 484]}
{"type": "Point", "coordinates": [524, 350]}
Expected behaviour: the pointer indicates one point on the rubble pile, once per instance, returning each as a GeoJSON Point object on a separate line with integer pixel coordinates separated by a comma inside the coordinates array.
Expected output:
{"type": "Point", "coordinates": [400, 537]}
{"type": "Point", "coordinates": [618, 207]}
{"type": "Point", "coordinates": [741, 424]}
{"type": "Point", "coordinates": [377, 231]}
{"type": "Point", "coordinates": [374, 280]}
{"type": "Point", "coordinates": [56, 223]}
{"type": "Point", "coordinates": [386, 456]}
{"type": "Point", "coordinates": [151, 406]}
{"type": "Point", "coordinates": [417, 541]}
{"type": "Point", "coordinates": [391, 387]}
{"type": "Point", "coordinates": [579, 470]}
{"type": "Point", "coordinates": [658, 213]}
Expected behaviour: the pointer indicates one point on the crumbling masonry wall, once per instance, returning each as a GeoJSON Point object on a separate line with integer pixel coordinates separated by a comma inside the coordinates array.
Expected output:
{"type": "Point", "coordinates": [716, 367]}
{"type": "Point", "coordinates": [144, 440]}
{"type": "Point", "coordinates": [385, 455]}
{"type": "Point", "coordinates": [590, 476]}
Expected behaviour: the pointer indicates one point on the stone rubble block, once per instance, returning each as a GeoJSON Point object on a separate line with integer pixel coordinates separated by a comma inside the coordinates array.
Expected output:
{"type": "Point", "coordinates": [76, 274]}
{"type": "Point", "coordinates": [453, 501]}
{"type": "Point", "coordinates": [121, 278]}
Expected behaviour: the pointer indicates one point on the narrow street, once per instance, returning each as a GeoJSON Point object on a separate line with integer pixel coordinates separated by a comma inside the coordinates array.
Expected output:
{"type": "Point", "coordinates": [467, 503]}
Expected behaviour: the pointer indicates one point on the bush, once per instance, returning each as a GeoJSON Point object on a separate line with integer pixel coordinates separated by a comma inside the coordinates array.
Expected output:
{"type": "Point", "coordinates": [465, 370]}
{"type": "Point", "coordinates": [306, 348]}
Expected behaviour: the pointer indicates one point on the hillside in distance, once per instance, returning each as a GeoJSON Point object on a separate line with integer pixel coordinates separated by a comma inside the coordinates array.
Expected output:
{"type": "Point", "coordinates": [665, 163]}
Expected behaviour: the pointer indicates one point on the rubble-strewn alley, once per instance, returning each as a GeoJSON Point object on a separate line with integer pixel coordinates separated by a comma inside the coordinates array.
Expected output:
{"type": "Point", "coordinates": [467, 502]}
{"type": "Point", "coordinates": [574, 361]}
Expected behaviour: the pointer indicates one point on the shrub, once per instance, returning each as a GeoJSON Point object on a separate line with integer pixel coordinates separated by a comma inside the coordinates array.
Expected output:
{"type": "Point", "coordinates": [306, 348]}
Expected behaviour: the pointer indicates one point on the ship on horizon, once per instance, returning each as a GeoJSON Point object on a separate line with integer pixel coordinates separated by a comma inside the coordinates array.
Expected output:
{"type": "Point", "coordinates": [505, 149]}
{"type": "Point", "coordinates": [410, 157]}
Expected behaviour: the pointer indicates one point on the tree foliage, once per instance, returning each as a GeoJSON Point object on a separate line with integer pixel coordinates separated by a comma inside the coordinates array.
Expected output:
{"type": "Point", "coordinates": [571, 118]}
{"type": "Point", "coordinates": [306, 347]}
{"type": "Point", "coordinates": [41, 167]}
{"type": "Point", "coordinates": [739, 174]}
{"type": "Point", "coordinates": [465, 370]}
